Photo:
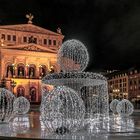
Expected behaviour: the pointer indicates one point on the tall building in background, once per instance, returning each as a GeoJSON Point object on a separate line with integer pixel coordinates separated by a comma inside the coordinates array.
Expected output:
{"type": "Point", "coordinates": [125, 84]}
{"type": "Point", "coordinates": [134, 84]}
{"type": "Point", "coordinates": [27, 53]}
{"type": "Point", "coordinates": [118, 85]}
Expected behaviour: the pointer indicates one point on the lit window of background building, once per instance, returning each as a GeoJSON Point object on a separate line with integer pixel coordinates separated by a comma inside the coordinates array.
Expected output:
{"type": "Point", "coordinates": [125, 84]}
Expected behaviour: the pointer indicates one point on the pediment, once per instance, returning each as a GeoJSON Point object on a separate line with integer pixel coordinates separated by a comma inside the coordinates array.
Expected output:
{"type": "Point", "coordinates": [30, 28]}
{"type": "Point", "coordinates": [31, 47]}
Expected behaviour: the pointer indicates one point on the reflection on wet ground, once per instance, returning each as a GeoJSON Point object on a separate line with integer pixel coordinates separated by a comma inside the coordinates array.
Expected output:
{"type": "Point", "coordinates": [31, 126]}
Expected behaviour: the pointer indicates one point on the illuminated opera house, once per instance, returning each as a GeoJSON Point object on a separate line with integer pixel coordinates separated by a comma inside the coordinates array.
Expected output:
{"type": "Point", "coordinates": [27, 53]}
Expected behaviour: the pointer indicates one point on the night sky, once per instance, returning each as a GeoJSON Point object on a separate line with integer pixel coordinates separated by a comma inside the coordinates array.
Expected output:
{"type": "Point", "coordinates": [109, 28]}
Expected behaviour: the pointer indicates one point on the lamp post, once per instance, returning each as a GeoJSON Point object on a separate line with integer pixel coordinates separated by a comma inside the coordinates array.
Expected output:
{"type": "Point", "coordinates": [13, 84]}
{"type": "Point", "coordinates": [116, 91]}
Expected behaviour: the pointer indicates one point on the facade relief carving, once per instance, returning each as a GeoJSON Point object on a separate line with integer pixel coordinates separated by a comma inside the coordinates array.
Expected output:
{"type": "Point", "coordinates": [32, 48]}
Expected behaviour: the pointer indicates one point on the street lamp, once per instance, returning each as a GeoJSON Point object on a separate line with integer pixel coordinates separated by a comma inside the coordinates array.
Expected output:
{"type": "Point", "coordinates": [13, 84]}
{"type": "Point", "coordinates": [116, 91]}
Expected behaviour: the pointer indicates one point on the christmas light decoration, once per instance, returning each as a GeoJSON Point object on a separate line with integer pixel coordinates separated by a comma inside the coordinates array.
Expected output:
{"type": "Point", "coordinates": [6, 105]}
{"type": "Point", "coordinates": [113, 106]}
{"type": "Point", "coordinates": [73, 56]}
{"type": "Point", "coordinates": [21, 105]}
{"type": "Point", "coordinates": [125, 108]}
{"type": "Point", "coordinates": [62, 110]}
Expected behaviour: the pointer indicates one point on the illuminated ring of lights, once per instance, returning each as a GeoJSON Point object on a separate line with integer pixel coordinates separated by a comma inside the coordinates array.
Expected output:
{"type": "Point", "coordinates": [84, 78]}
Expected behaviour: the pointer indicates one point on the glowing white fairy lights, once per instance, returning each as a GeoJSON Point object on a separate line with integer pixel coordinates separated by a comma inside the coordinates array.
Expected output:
{"type": "Point", "coordinates": [62, 110]}
{"type": "Point", "coordinates": [125, 108]}
{"type": "Point", "coordinates": [73, 56]}
{"type": "Point", "coordinates": [21, 105]}
{"type": "Point", "coordinates": [6, 105]}
{"type": "Point", "coordinates": [113, 106]}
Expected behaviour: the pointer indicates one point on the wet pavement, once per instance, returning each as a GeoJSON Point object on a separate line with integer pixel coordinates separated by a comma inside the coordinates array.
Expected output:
{"type": "Point", "coordinates": [30, 126]}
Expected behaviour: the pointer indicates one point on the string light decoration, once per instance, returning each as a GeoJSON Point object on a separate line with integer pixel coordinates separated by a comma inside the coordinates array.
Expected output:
{"type": "Point", "coordinates": [113, 106]}
{"type": "Point", "coordinates": [62, 110]}
{"type": "Point", "coordinates": [21, 105]}
{"type": "Point", "coordinates": [20, 124]}
{"type": "Point", "coordinates": [6, 105]}
{"type": "Point", "coordinates": [125, 108]}
{"type": "Point", "coordinates": [73, 56]}
{"type": "Point", "coordinates": [91, 87]}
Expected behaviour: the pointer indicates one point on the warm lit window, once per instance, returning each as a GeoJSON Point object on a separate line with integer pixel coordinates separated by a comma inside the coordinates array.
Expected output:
{"type": "Point", "coordinates": [54, 42]}
{"type": "Point", "coordinates": [14, 38]}
{"type": "Point", "coordinates": [45, 41]}
{"type": "Point", "coordinates": [8, 37]}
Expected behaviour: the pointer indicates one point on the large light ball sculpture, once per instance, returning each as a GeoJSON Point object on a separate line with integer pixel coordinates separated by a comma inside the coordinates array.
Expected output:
{"type": "Point", "coordinates": [21, 105]}
{"type": "Point", "coordinates": [62, 110]}
{"type": "Point", "coordinates": [113, 106]}
{"type": "Point", "coordinates": [125, 108]}
{"type": "Point", "coordinates": [73, 56]}
{"type": "Point", "coordinates": [6, 105]}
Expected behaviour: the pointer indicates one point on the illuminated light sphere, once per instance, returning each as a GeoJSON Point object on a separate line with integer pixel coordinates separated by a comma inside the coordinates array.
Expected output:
{"type": "Point", "coordinates": [6, 105]}
{"type": "Point", "coordinates": [20, 124]}
{"type": "Point", "coordinates": [73, 56]}
{"type": "Point", "coordinates": [21, 105]}
{"type": "Point", "coordinates": [113, 106]}
{"type": "Point", "coordinates": [125, 108]}
{"type": "Point", "coordinates": [62, 110]}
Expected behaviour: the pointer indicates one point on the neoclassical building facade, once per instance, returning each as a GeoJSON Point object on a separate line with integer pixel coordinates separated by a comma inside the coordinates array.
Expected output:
{"type": "Point", "coordinates": [27, 53]}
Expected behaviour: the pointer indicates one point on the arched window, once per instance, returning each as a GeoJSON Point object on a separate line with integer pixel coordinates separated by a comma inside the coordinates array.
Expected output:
{"type": "Point", "coordinates": [20, 91]}
{"type": "Point", "coordinates": [42, 70]}
{"type": "Point", "coordinates": [21, 70]}
{"type": "Point", "coordinates": [9, 71]}
{"type": "Point", "coordinates": [32, 94]}
{"type": "Point", "coordinates": [32, 70]}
